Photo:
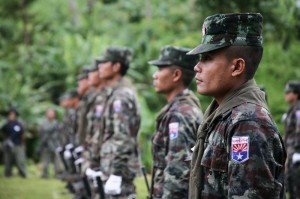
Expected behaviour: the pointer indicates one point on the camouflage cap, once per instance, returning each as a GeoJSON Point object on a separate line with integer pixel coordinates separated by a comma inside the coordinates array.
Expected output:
{"type": "Point", "coordinates": [222, 30]}
{"type": "Point", "coordinates": [69, 95]}
{"type": "Point", "coordinates": [116, 54]}
{"type": "Point", "coordinates": [292, 86]}
{"type": "Point", "coordinates": [170, 55]}
{"type": "Point", "coordinates": [84, 71]}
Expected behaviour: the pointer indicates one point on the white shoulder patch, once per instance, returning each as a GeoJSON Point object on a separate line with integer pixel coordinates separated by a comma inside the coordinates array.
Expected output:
{"type": "Point", "coordinates": [173, 130]}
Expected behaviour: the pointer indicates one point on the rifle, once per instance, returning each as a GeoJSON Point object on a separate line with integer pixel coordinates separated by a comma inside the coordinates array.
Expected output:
{"type": "Point", "coordinates": [96, 176]}
{"type": "Point", "coordinates": [152, 184]}
{"type": "Point", "coordinates": [146, 180]}
{"type": "Point", "coordinates": [60, 151]}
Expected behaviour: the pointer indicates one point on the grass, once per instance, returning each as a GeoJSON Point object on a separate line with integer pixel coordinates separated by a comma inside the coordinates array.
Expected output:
{"type": "Point", "coordinates": [33, 187]}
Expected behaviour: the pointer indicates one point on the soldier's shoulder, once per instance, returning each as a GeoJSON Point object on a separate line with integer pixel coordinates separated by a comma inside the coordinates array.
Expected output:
{"type": "Point", "coordinates": [250, 112]}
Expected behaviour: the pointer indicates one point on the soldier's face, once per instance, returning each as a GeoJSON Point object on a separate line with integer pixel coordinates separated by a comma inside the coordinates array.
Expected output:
{"type": "Point", "coordinates": [213, 75]}
{"type": "Point", "coordinates": [163, 79]}
{"type": "Point", "coordinates": [290, 97]}
{"type": "Point", "coordinates": [93, 78]}
{"type": "Point", "coordinates": [83, 85]}
{"type": "Point", "coordinates": [105, 70]}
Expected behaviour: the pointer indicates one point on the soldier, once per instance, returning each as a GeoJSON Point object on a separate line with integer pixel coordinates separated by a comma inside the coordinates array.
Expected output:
{"type": "Point", "coordinates": [239, 152]}
{"type": "Point", "coordinates": [292, 138]}
{"type": "Point", "coordinates": [81, 121]}
{"type": "Point", "coordinates": [14, 144]}
{"type": "Point", "coordinates": [91, 155]}
{"type": "Point", "coordinates": [94, 116]}
{"type": "Point", "coordinates": [176, 124]}
{"type": "Point", "coordinates": [119, 156]}
{"type": "Point", "coordinates": [69, 101]}
{"type": "Point", "coordinates": [49, 141]}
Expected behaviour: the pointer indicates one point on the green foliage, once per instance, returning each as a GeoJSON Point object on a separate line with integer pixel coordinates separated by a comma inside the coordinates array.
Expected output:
{"type": "Point", "coordinates": [43, 45]}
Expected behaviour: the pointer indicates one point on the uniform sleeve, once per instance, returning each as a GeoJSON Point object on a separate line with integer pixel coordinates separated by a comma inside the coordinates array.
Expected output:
{"type": "Point", "coordinates": [180, 141]}
{"type": "Point", "coordinates": [122, 140]}
{"type": "Point", "coordinates": [256, 162]}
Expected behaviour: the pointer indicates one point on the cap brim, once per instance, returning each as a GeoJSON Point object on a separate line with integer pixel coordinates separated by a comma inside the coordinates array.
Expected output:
{"type": "Point", "coordinates": [102, 60]}
{"type": "Point", "coordinates": [160, 63]}
{"type": "Point", "coordinates": [202, 48]}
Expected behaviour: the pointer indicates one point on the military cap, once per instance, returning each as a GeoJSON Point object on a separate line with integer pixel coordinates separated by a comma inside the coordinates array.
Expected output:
{"type": "Point", "coordinates": [292, 86]}
{"type": "Point", "coordinates": [69, 95]}
{"type": "Point", "coordinates": [116, 54]}
{"type": "Point", "coordinates": [82, 76]}
{"type": "Point", "coordinates": [222, 30]}
{"type": "Point", "coordinates": [170, 55]}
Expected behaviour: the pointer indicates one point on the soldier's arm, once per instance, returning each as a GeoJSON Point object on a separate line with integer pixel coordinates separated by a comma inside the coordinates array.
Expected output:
{"type": "Point", "coordinates": [122, 139]}
{"type": "Point", "coordinates": [260, 175]}
{"type": "Point", "coordinates": [181, 140]}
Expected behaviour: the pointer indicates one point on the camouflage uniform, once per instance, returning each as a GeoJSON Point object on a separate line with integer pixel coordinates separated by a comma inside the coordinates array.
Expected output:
{"type": "Point", "coordinates": [82, 111]}
{"type": "Point", "coordinates": [49, 141]}
{"type": "Point", "coordinates": [292, 143]}
{"type": "Point", "coordinates": [176, 127]}
{"type": "Point", "coordinates": [95, 120]}
{"type": "Point", "coordinates": [68, 127]}
{"type": "Point", "coordinates": [172, 149]}
{"type": "Point", "coordinates": [119, 150]}
{"type": "Point", "coordinates": [239, 152]}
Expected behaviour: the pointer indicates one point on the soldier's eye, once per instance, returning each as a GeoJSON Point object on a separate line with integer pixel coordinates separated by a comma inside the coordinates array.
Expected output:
{"type": "Point", "coordinates": [204, 57]}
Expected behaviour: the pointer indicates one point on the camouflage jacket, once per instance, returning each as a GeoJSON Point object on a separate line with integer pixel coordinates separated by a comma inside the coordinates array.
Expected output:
{"type": "Point", "coordinates": [95, 120]}
{"type": "Point", "coordinates": [292, 129]}
{"type": "Point", "coordinates": [239, 152]}
{"type": "Point", "coordinates": [49, 135]}
{"type": "Point", "coordinates": [82, 112]}
{"type": "Point", "coordinates": [122, 122]}
{"type": "Point", "coordinates": [67, 127]}
{"type": "Point", "coordinates": [176, 129]}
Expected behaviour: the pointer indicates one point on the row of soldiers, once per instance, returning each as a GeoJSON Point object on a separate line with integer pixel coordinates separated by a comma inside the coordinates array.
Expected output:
{"type": "Point", "coordinates": [234, 150]}
{"type": "Point", "coordinates": [100, 129]}
{"type": "Point", "coordinates": [101, 137]}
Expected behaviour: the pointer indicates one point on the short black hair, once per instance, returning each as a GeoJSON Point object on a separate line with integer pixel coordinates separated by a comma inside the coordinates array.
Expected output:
{"type": "Point", "coordinates": [124, 67]}
{"type": "Point", "coordinates": [251, 54]}
{"type": "Point", "coordinates": [187, 75]}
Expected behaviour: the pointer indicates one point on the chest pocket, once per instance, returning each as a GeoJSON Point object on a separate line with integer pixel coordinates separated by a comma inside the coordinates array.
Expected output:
{"type": "Point", "coordinates": [215, 157]}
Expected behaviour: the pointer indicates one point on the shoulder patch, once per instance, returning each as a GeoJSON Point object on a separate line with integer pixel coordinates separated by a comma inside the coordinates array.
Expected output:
{"type": "Point", "coordinates": [298, 114]}
{"type": "Point", "coordinates": [117, 106]}
{"type": "Point", "coordinates": [98, 110]}
{"type": "Point", "coordinates": [173, 130]}
{"type": "Point", "coordinates": [240, 148]}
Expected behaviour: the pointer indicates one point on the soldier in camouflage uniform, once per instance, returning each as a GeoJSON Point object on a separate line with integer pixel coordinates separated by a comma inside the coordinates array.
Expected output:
{"type": "Point", "coordinates": [91, 154]}
{"type": "Point", "coordinates": [292, 138]}
{"type": "Point", "coordinates": [85, 92]}
{"type": "Point", "coordinates": [239, 152]}
{"type": "Point", "coordinates": [119, 151]}
{"type": "Point", "coordinates": [49, 141]}
{"type": "Point", "coordinates": [176, 124]}
{"type": "Point", "coordinates": [94, 117]}
{"type": "Point", "coordinates": [69, 101]}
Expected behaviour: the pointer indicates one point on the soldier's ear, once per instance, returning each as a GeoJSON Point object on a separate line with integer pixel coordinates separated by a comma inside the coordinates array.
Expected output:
{"type": "Point", "coordinates": [117, 67]}
{"type": "Point", "coordinates": [177, 74]}
{"type": "Point", "coordinates": [238, 67]}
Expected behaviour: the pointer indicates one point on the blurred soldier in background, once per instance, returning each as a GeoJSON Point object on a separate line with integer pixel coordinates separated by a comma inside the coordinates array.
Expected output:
{"type": "Point", "coordinates": [91, 155]}
{"type": "Point", "coordinates": [176, 124]}
{"type": "Point", "coordinates": [119, 159]}
{"type": "Point", "coordinates": [239, 152]}
{"type": "Point", "coordinates": [14, 144]}
{"type": "Point", "coordinates": [292, 138]}
{"type": "Point", "coordinates": [49, 141]}
{"type": "Point", "coordinates": [69, 101]}
{"type": "Point", "coordinates": [81, 120]}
